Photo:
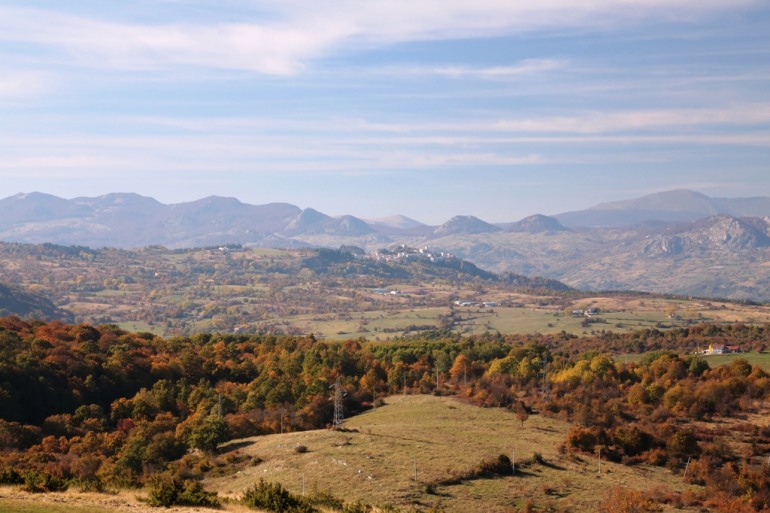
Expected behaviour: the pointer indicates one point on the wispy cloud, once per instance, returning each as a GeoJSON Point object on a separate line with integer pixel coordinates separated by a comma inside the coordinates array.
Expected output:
{"type": "Point", "coordinates": [653, 119]}
{"type": "Point", "coordinates": [526, 67]}
{"type": "Point", "coordinates": [296, 32]}
{"type": "Point", "coordinates": [21, 84]}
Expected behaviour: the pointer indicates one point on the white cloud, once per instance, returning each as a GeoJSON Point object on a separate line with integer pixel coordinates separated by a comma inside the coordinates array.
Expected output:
{"type": "Point", "coordinates": [525, 67]}
{"type": "Point", "coordinates": [21, 84]}
{"type": "Point", "coordinates": [301, 30]}
{"type": "Point", "coordinates": [602, 122]}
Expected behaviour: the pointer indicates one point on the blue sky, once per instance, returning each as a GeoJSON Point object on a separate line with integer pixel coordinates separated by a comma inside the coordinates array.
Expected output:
{"type": "Point", "coordinates": [494, 108]}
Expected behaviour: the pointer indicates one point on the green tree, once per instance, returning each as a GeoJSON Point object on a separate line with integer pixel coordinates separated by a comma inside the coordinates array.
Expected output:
{"type": "Point", "coordinates": [209, 433]}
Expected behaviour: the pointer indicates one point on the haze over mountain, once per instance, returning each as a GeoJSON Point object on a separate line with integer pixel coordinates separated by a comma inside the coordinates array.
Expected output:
{"type": "Point", "coordinates": [672, 242]}
{"type": "Point", "coordinates": [670, 206]}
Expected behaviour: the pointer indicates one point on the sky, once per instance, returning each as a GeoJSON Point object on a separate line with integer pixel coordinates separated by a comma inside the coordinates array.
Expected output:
{"type": "Point", "coordinates": [494, 108]}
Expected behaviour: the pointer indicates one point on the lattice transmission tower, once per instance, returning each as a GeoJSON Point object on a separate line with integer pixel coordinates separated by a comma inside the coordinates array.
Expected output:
{"type": "Point", "coordinates": [339, 413]}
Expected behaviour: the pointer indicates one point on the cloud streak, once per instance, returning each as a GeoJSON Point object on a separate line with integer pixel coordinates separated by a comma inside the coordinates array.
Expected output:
{"type": "Point", "coordinates": [299, 32]}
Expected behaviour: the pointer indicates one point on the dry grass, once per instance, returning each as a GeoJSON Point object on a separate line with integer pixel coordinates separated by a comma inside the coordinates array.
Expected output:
{"type": "Point", "coordinates": [438, 437]}
{"type": "Point", "coordinates": [14, 501]}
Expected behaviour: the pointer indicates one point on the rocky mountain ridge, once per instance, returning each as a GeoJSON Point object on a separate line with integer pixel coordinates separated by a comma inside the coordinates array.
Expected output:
{"type": "Point", "coordinates": [679, 242]}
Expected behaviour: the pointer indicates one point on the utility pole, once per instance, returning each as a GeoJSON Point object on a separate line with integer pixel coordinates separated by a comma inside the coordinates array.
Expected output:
{"type": "Point", "coordinates": [600, 461]}
{"type": "Point", "coordinates": [339, 416]}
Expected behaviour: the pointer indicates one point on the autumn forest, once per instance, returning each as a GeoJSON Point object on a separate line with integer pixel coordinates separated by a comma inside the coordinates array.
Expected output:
{"type": "Point", "coordinates": [99, 408]}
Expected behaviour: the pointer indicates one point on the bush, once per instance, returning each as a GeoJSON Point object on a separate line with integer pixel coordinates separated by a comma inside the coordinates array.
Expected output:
{"type": "Point", "coordinates": [500, 466]}
{"type": "Point", "coordinates": [42, 482]}
{"type": "Point", "coordinates": [10, 476]}
{"type": "Point", "coordinates": [194, 495]}
{"type": "Point", "coordinates": [167, 491]}
{"type": "Point", "coordinates": [357, 507]}
{"type": "Point", "coordinates": [624, 500]}
{"type": "Point", "coordinates": [164, 491]}
{"type": "Point", "coordinates": [274, 497]}
{"type": "Point", "coordinates": [325, 499]}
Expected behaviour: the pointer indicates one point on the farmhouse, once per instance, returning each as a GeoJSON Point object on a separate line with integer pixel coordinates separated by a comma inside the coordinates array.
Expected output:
{"type": "Point", "coordinates": [722, 349]}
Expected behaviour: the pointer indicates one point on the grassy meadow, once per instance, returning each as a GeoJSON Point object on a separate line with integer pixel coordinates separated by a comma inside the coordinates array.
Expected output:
{"type": "Point", "coordinates": [391, 454]}
{"type": "Point", "coordinates": [521, 313]}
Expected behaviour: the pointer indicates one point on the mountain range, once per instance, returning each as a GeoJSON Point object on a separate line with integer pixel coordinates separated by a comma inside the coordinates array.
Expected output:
{"type": "Point", "coordinates": [680, 242]}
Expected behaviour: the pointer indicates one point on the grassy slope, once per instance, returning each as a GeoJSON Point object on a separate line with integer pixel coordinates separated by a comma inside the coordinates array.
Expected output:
{"type": "Point", "coordinates": [438, 436]}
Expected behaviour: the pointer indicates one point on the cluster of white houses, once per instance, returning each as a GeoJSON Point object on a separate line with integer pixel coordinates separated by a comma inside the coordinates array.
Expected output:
{"type": "Point", "coordinates": [481, 304]}
{"type": "Point", "coordinates": [406, 253]}
{"type": "Point", "coordinates": [588, 312]}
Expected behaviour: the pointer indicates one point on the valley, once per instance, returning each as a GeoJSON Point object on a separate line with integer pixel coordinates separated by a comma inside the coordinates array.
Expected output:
{"type": "Point", "coordinates": [334, 294]}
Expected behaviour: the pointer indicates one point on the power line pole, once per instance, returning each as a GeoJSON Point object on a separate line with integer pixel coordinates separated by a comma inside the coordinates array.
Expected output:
{"type": "Point", "coordinates": [339, 416]}
{"type": "Point", "coordinates": [600, 461]}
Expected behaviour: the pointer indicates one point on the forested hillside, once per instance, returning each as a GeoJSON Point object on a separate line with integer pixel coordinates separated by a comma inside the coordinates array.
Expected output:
{"type": "Point", "coordinates": [101, 407]}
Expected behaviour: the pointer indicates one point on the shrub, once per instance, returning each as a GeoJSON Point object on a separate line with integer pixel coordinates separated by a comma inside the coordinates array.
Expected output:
{"type": "Point", "coordinates": [274, 497]}
{"type": "Point", "coordinates": [624, 500]}
{"type": "Point", "coordinates": [500, 466]}
{"type": "Point", "coordinates": [164, 491]}
{"type": "Point", "coordinates": [195, 495]}
{"type": "Point", "coordinates": [167, 491]}
{"type": "Point", "coordinates": [325, 499]}
{"type": "Point", "coordinates": [10, 476]}
{"type": "Point", "coordinates": [356, 507]}
{"type": "Point", "coordinates": [42, 482]}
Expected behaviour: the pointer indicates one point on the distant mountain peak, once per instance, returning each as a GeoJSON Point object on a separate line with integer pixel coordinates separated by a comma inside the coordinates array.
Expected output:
{"type": "Point", "coordinates": [537, 223]}
{"type": "Point", "coordinates": [669, 201]}
{"type": "Point", "coordinates": [676, 206]}
{"type": "Point", "coordinates": [399, 222]}
{"type": "Point", "coordinates": [467, 225]}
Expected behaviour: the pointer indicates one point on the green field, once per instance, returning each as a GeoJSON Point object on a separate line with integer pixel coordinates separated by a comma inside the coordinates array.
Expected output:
{"type": "Point", "coordinates": [760, 359]}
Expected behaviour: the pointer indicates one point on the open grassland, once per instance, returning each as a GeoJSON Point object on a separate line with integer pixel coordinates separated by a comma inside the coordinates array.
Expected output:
{"type": "Point", "coordinates": [390, 455]}
{"type": "Point", "coordinates": [762, 360]}
{"type": "Point", "coordinates": [521, 313]}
